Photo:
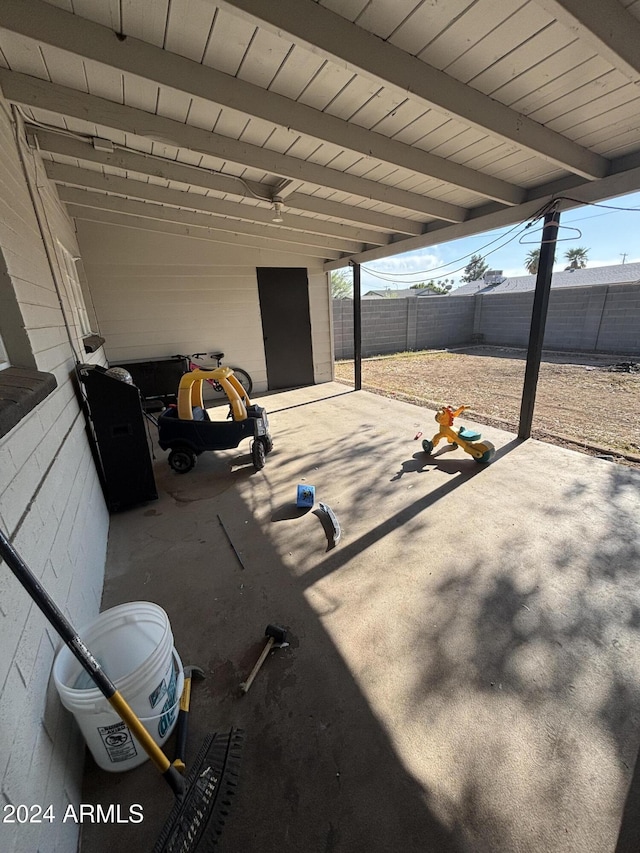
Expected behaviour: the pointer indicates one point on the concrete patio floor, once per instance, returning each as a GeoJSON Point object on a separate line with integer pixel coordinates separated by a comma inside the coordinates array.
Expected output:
{"type": "Point", "coordinates": [464, 666]}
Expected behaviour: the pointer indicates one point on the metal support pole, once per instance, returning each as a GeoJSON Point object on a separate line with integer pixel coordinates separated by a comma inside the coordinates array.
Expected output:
{"type": "Point", "coordinates": [357, 328]}
{"type": "Point", "coordinates": [538, 321]}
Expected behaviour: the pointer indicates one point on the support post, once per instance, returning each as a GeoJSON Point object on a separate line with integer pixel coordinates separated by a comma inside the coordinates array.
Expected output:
{"type": "Point", "coordinates": [538, 321]}
{"type": "Point", "coordinates": [357, 328]}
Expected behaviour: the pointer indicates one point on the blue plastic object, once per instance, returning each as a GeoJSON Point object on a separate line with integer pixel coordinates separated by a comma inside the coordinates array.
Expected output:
{"type": "Point", "coordinates": [306, 496]}
{"type": "Point", "coordinates": [469, 434]}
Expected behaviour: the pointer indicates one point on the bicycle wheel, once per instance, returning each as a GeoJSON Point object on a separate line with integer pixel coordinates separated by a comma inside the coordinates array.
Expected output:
{"type": "Point", "coordinates": [244, 379]}
{"type": "Point", "coordinates": [213, 392]}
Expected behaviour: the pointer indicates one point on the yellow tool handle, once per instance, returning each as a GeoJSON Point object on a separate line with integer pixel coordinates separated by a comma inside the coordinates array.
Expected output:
{"type": "Point", "coordinates": [124, 711]}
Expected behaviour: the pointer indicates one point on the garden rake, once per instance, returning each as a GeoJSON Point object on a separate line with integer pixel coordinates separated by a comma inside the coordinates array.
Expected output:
{"type": "Point", "coordinates": [202, 799]}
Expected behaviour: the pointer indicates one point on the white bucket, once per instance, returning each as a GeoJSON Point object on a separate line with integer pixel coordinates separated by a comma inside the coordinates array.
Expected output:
{"type": "Point", "coordinates": [134, 645]}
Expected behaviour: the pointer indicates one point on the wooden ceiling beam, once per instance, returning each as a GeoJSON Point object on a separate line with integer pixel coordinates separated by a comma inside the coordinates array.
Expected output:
{"type": "Point", "coordinates": [170, 170]}
{"type": "Point", "coordinates": [34, 92]}
{"type": "Point", "coordinates": [604, 24]}
{"type": "Point", "coordinates": [50, 25]}
{"type": "Point", "coordinates": [330, 35]}
{"type": "Point", "coordinates": [97, 207]}
{"type": "Point", "coordinates": [313, 230]}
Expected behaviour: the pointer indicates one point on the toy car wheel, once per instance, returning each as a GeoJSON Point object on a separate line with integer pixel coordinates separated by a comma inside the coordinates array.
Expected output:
{"type": "Point", "coordinates": [258, 454]}
{"type": "Point", "coordinates": [268, 443]}
{"type": "Point", "coordinates": [488, 455]}
{"type": "Point", "coordinates": [427, 445]}
{"type": "Point", "coordinates": [181, 459]}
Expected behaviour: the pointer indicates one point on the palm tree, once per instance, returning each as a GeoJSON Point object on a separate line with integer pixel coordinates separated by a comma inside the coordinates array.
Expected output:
{"type": "Point", "coordinates": [577, 258]}
{"type": "Point", "coordinates": [531, 261]}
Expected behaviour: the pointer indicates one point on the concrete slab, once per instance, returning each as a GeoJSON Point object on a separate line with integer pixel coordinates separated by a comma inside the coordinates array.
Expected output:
{"type": "Point", "coordinates": [464, 667]}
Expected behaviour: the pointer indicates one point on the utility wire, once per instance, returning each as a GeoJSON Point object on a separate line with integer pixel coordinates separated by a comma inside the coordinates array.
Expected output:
{"type": "Point", "coordinates": [524, 224]}
{"type": "Point", "coordinates": [384, 277]}
{"type": "Point", "coordinates": [597, 204]}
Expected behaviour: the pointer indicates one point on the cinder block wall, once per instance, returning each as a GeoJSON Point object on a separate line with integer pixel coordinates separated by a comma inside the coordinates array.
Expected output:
{"type": "Point", "coordinates": [589, 319]}
{"type": "Point", "coordinates": [342, 328]}
{"type": "Point", "coordinates": [620, 325]}
{"type": "Point", "coordinates": [444, 321]}
{"type": "Point", "coordinates": [384, 326]}
{"type": "Point", "coordinates": [51, 505]}
{"type": "Point", "coordinates": [504, 319]}
{"type": "Point", "coordinates": [396, 325]}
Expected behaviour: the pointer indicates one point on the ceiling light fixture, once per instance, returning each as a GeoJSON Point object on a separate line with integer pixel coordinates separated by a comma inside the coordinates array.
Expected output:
{"type": "Point", "coordinates": [277, 209]}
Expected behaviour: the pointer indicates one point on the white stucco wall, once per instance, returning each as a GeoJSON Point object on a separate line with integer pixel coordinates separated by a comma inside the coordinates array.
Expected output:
{"type": "Point", "coordinates": [51, 504]}
{"type": "Point", "coordinates": [160, 294]}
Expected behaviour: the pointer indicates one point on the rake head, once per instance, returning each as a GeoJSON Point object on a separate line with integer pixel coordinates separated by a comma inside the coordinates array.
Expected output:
{"type": "Point", "coordinates": [197, 818]}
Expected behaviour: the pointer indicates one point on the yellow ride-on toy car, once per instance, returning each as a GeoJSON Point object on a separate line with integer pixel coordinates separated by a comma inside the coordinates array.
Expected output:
{"type": "Point", "coordinates": [467, 439]}
{"type": "Point", "coordinates": [186, 430]}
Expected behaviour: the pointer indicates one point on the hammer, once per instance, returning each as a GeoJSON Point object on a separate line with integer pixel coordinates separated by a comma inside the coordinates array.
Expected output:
{"type": "Point", "coordinates": [190, 672]}
{"type": "Point", "coordinates": [276, 636]}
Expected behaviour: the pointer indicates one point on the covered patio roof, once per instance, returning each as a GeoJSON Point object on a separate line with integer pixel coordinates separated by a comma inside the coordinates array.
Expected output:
{"type": "Point", "coordinates": [348, 129]}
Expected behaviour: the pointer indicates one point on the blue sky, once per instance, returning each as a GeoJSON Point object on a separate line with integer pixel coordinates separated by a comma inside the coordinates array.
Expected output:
{"type": "Point", "coordinates": [606, 234]}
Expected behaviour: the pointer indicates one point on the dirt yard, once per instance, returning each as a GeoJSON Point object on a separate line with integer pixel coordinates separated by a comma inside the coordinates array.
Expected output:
{"type": "Point", "coordinates": [588, 403]}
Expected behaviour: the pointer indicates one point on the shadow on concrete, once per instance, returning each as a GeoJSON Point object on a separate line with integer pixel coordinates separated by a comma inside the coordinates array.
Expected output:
{"type": "Point", "coordinates": [629, 835]}
{"type": "Point", "coordinates": [319, 771]}
{"type": "Point", "coordinates": [462, 675]}
{"type": "Point", "coordinates": [465, 469]}
{"type": "Point", "coordinates": [306, 403]}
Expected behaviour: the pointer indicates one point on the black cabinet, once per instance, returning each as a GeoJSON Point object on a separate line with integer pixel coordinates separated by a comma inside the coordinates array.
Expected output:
{"type": "Point", "coordinates": [117, 429]}
{"type": "Point", "coordinates": [157, 380]}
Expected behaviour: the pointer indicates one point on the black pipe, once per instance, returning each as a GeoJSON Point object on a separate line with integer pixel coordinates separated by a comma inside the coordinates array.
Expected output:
{"type": "Point", "coordinates": [357, 328]}
{"type": "Point", "coordinates": [538, 321]}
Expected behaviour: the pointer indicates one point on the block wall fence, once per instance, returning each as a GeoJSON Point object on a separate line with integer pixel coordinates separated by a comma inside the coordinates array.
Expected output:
{"type": "Point", "coordinates": [602, 319]}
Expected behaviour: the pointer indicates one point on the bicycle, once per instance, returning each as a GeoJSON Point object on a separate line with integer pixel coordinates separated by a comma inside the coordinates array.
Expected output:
{"type": "Point", "coordinates": [211, 389]}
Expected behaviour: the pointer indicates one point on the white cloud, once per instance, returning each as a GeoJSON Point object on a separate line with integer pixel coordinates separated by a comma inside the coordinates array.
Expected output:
{"type": "Point", "coordinates": [409, 263]}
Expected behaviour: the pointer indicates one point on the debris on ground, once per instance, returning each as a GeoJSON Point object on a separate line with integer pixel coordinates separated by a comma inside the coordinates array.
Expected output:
{"type": "Point", "coordinates": [624, 367]}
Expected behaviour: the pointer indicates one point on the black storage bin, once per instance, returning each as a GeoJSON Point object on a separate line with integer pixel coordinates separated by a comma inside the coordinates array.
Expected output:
{"type": "Point", "coordinates": [157, 380]}
{"type": "Point", "coordinates": [117, 429]}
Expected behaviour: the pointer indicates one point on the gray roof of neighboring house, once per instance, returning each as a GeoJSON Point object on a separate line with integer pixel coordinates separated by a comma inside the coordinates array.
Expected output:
{"type": "Point", "coordinates": [616, 274]}
{"type": "Point", "coordinates": [396, 294]}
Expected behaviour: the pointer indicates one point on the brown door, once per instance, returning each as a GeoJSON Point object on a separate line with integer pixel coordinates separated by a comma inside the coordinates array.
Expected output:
{"type": "Point", "coordinates": [286, 326]}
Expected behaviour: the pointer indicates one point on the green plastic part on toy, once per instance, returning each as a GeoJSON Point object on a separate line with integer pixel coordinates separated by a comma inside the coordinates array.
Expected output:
{"type": "Point", "coordinates": [466, 438]}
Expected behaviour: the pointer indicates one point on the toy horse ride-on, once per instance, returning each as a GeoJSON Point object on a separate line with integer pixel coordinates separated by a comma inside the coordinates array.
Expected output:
{"type": "Point", "coordinates": [186, 430]}
{"type": "Point", "coordinates": [467, 439]}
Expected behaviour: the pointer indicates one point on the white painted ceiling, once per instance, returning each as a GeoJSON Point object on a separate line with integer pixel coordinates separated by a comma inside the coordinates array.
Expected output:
{"type": "Point", "coordinates": [382, 125]}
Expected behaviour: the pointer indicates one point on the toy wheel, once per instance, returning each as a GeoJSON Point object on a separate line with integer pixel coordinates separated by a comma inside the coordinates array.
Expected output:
{"type": "Point", "coordinates": [258, 454]}
{"type": "Point", "coordinates": [488, 455]}
{"type": "Point", "coordinates": [268, 443]}
{"type": "Point", "coordinates": [427, 445]}
{"type": "Point", "coordinates": [181, 459]}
